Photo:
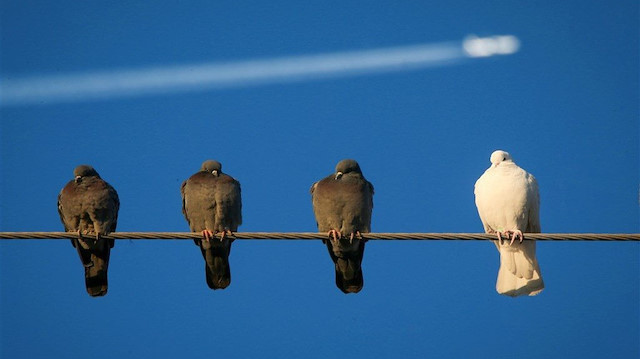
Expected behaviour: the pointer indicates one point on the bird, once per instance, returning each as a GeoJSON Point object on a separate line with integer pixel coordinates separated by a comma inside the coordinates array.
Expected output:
{"type": "Point", "coordinates": [212, 204]}
{"type": "Point", "coordinates": [88, 205]}
{"type": "Point", "coordinates": [342, 205]}
{"type": "Point", "coordinates": [508, 203]}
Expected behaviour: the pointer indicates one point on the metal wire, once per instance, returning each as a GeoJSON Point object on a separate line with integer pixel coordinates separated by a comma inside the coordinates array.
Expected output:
{"type": "Point", "coordinates": [314, 235]}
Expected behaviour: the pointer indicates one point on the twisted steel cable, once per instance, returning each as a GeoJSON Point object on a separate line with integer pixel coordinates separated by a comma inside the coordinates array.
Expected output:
{"type": "Point", "coordinates": [315, 235]}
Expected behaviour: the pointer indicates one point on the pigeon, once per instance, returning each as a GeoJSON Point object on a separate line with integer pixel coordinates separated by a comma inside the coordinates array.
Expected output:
{"type": "Point", "coordinates": [509, 204]}
{"type": "Point", "coordinates": [342, 204]}
{"type": "Point", "coordinates": [89, 206]}
{"type": "Point", "coordinates": [212, 204]}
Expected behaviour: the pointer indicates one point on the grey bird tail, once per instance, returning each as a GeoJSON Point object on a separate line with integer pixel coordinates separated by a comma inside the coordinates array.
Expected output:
{"type": "Point", "coordinates": [349, 277]}
{"type": "Point", "coordinates": [217, 269]}
{"type": "Point", "coordinates": [95, 260]}
{"type": "Point", "coordinates": [95, 276]}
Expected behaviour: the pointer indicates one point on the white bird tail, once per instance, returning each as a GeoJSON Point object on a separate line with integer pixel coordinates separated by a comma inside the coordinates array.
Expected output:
{"type": "Point", "coordinates": [519, 273]}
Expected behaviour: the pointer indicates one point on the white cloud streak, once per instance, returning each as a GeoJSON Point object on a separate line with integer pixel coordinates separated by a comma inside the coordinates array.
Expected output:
{"type": "Point", "coordinates": [170, 79]}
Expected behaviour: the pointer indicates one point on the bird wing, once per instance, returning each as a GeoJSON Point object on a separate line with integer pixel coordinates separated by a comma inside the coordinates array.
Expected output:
{"type": "Point", "coordinates": [533, 206]}
{"type": "Point", "coordinates": [184, 201]}
{"type": "Point", "coordinates": [228, 198]}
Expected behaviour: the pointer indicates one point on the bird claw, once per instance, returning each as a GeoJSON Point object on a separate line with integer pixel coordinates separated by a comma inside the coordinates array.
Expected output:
{"type": "Point", "coordinates": [97, 243]}
{"type": "Point", "coordinates": [355, 234]}
{"type": "Point", "coordinates": [516, 234]}
{"type": "Point", "coordinates": [511, 236]}
{"type": "Point", "coordinates": [206, 238]}
{"type": "Point", "coordinates": [82, 242]}
{"type": "Point", "coordinates": [335, 235]}
{"type": "Point", "coordinates": [207, 235]}
{"type": "Point", "coordinates": [225, 232]}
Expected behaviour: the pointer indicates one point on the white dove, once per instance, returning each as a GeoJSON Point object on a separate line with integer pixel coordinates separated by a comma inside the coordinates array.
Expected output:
{"type": "Point", "coordinates": [509, 204]}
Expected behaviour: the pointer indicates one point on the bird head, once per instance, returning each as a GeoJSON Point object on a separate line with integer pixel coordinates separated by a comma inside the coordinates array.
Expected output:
{"type": "Point", "coordinates": [347, 166]}
{"type": "Point", "coordinates": [499, 156]}
{"type": "Point", "coordinates": [211, 166]}
{"type": "Point", "coordinates": [84, 171]}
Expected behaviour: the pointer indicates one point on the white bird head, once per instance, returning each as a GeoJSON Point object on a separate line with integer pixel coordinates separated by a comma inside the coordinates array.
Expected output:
{"type": "Point", "coordinates": [500, 156]}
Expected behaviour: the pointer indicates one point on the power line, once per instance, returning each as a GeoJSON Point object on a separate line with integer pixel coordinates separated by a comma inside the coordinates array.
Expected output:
{"type": "Point", "coordinates": [315, 236]}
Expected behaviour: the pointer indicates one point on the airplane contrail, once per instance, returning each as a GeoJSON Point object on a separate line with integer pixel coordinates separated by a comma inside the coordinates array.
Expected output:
{"type": "Point", "coordinates": [167, 79]}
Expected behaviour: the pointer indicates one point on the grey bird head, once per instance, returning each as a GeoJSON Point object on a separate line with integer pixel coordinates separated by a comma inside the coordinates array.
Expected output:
{"type": "Point", "coordinates": [347, 166]}
{"type": "Point", "coordinates": [84, 171]}
{"type": "Point", "coordinates": [211, 166]}
{"type": "Point", "coordinates": [500, 156]}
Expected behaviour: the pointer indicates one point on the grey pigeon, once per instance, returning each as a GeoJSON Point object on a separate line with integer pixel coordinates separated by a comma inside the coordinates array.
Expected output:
{"type": "Point", "coordinates": [342, 204]}
{"type": "Point", "coordinates": [509, 204]}
{"type": "Point", "coordinates": [89, 206]}
{"type": "Point", "coordinates": [211, 203]}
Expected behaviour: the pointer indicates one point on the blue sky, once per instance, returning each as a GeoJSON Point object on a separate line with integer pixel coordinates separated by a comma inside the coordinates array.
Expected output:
{"type": "Point", "coordinates": [565, 106]}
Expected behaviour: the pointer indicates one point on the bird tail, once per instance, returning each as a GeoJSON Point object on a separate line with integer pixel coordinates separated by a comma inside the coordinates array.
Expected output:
{"type": "Point", "coordinates": [348, 264]}
{"type": "Point", "coordinates": [519, 272]}
{"type": "Point", "coordinates": [94, 256]}
{"type": "Point", "coordinates": [349, 274]}
{"type": "Point", "coordinates": [95, 276]}
{"type": "Point", "coordinates": [217, 269]}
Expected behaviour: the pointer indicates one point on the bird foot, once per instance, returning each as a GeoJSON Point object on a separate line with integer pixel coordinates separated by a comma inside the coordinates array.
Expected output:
{"type": "Point", "coordinates": [335, 235]}
{"type": "Point", "coordinates": [225, 232]}
{"type": "Point", "coordinates": [206, 239]}
{"type": "Point", "coordinates": [82, 242]}
{"type": "Point", "coordinates": [97, 243]}
{"type": "Point", "coordinates": [207, 235]}
{"type": "Point", "coordinates": [512, 235]}
{"type": "Point", "coordinates": [516, 234]}
{"type": "Point", "coordinates": [356, 234]}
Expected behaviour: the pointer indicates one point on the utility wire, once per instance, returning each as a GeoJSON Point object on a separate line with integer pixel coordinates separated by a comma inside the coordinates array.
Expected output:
{"type": "Point", "coordinates": [315, 235]}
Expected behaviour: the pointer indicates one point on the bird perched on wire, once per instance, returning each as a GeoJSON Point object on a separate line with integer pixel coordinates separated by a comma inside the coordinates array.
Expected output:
{"type": "Point", "coordinates": [509, 204]}
{"type": "Point", "coordinates": [212, 204]}
{"type": "Point", "coordinates": [89, 206]}
{"type": "Point", "coordinates": [342, 204]}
